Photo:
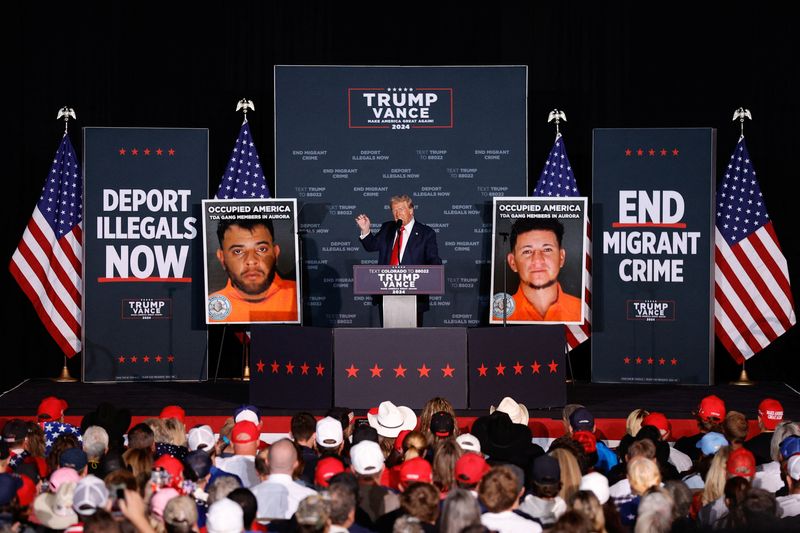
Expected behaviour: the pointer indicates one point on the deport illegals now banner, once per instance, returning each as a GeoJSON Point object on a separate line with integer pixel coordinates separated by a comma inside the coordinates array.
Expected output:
{"type": "Point", "coordinates": [143, 274]}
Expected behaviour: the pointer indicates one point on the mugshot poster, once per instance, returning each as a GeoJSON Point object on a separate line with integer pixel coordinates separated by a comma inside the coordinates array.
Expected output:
{"type": "Point", "coordinates": [250, 249]}
{"type": "Point", "coordinates": [652, 267]}
{"type": "Point", "coordinates": [143, 271]}
{"type": "Point", "coordinates": [538, 260]}
{"type": "Point", "coordinates": [347, 139]}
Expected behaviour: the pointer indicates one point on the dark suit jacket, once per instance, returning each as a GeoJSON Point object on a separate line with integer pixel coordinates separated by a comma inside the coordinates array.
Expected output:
{"type": "Point", "coordinates": [420, 250]}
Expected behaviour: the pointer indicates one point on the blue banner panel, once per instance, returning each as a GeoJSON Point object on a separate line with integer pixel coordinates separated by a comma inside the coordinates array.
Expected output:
{"type": "Point", "coordinates": [291, 367]}
{"type": "Point", "coordinates": [523, 362]}
{"type": "Point", "coordinates": [347, 139]}
{"type": "Point", "coordinates": [653, 261]}
{"type": "Point", "coordinates": [143, 295]}
{"type": "Point", "coordinates": [405, 366]}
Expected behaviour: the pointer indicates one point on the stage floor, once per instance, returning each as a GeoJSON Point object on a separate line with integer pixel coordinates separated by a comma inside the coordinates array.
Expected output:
{"type": "Point", "coordinates": [211, 399]}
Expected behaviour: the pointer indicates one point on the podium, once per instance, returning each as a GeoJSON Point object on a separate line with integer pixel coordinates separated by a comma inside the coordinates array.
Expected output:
{"type": "Point", "coordinates": [399, 285]}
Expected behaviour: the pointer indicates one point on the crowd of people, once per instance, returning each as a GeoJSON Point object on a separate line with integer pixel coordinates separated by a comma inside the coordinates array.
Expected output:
{"type": "Point", "coordinates": [394, 471]}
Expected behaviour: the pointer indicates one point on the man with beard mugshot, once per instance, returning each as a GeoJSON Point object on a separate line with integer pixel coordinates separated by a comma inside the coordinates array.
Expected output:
{"type": "Point", "coordinates": [537, 256]}
{"type": "Point", "coordinates": [255, 292]}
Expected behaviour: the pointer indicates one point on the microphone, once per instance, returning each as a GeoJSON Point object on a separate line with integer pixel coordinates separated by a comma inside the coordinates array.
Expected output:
{"type": "Point", "coordinates": [398, 223]}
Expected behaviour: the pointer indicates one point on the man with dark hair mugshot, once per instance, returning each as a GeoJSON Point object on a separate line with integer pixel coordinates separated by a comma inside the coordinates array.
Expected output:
{"type": "Point", "coordinates": [255, 292]}
{"type": "Point", "coordinates": [537, 256]}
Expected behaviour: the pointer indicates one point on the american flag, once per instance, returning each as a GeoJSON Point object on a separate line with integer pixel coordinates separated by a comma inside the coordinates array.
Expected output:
{"type": "Point", "coordinates": [244, 177]}
{"type": "Point", "coordinates": [47, 263]}
{"type": "Point", "coordinates": [557, 179]}
{"type": "Point", "coordinates": [753, 299]}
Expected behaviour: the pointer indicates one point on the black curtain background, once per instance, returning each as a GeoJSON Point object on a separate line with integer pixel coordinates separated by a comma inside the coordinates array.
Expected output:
{"type": "Point", "coordinates": [606, 64]}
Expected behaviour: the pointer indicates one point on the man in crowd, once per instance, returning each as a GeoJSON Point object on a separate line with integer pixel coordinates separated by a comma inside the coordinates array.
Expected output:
{"type": "Point", "coordinates": [245, 438]}
{"type": "Point", "coordinates": [282, 460]}
{"type": "Point", "coordinates": [770, 414]}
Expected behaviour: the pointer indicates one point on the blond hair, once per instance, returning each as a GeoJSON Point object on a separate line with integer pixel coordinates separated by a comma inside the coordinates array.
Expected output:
{"type": "Point", "coordinates": [717, 475]}
{"type": "Point", "coordinates": [634, 421]}
{"type": "Point", "coordinates": [570, 472]}
{"type": "Point", "coordinates": [414, 445]}
{"type": "Point", "coordinates": [643, 473]}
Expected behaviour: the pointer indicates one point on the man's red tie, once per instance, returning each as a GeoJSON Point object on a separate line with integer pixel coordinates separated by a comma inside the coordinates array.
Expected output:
{"type": "Point", "coordinates": [397, 244]}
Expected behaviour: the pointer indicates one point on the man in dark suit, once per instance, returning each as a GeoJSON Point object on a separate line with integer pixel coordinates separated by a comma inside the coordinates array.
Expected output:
{"type": "Point", "coordinates": [403, 240]}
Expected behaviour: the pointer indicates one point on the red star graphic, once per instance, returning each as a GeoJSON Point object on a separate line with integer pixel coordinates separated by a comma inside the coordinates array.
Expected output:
{"type": "Point", "coordinates": [424, 372]}
{"type": "Point", "coordinates": [651, 152]}
{"type": "Point", "coordinates": [638, 360]}
{"type": "Point", "coordinates": [289, 368]}
{"type": "Point", "coordinates": [121, 359]}
{"type": "Point", "coordinates": [146, 358]}
{"type": "Point", "coordinates": [640, 152]}
{"type": "Point", "coordinates": [158, 358]}
{"type": "Point", "coordinates": [518, 369]}
{"type": "Point", "coordinates": [400, 371]}
{"type": "Point", "coordinates": [628, 152]}
{"type": "Point", "coordinates": [304, 368]}
{"type": "Point", "coordinates": [553, 366]}
{"type": "Point", "coordinates": [260, 366]}
{"type": "Point", "coordinates": [352, 372]}
{"type": "Point", "coordinates": [674, 361]}
{"type": "Point", "coordinates": [447, 371]}
{"type": "Point", "coordinates": [320, 369]}
{"type": "Point", "coordinates": [675, 152]}
{"type": "Point", "coordinates": [501, 370]}
{"type": "Point", "coordinates": [661, 361]}
{"type": "Point", "coordinates": [276, 367]}
{"type": "Point", "coordinates": [171, 151]}
{"type": "Point", "coordinates": [649, 360]}
{"type": "Point", "coordinates": [159, 151]}
{"type": "Point", "coordinates": [170, 359]}
{"type": "Point", "coordinates": [134, 152]}
{"type": "Point", "coordinates": [627, 360]}
{"type": "Point", "coordinates": [482, 370]}
{"type": "Point", "coordinates": [535, 367]}
{"type": "Point", "coordinates": [122, 151]}
{"type": "Point", "coordinates": [147, 151]}
{"type": "Point", "coordinates": [134, 359]}
{"type": "Point", "coordinates": [663, 152]}
{"type": "Point", "coordinates": [376, 371]}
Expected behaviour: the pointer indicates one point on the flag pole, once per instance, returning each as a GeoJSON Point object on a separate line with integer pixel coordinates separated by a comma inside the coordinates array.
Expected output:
{"type": "Point", "coordinates": [67, 113]}
{"type": "Point", "coordinates": [741, 114]}
{"type": "Point", "coordinates": [744, 380]}
{"type": "Point", "coordinates": [556, 115]}
{"type": "Point", "coordinates": [243, 105]}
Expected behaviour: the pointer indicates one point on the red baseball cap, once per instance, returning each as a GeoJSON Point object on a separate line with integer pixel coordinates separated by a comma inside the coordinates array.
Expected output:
{"type": "Point", "coordinates": [173, 466]}
{"type": "Point", "coordinates": [244, 432]}
{"type": "Point", "coordinates": [587, 440]}
{"type": "Point", "coordinates": [52, 408]}
{"type": "Point", "coordinates": [770, 412]}
{"type": "Point", "coordinates": [741, 463]}
{"type": "Point", "coordinates": [658, 420]}
{"type": "Point", "coordinates": [173, 411]}
{"type": "Point", "coordinates": [398, 442]}
{"type": "Point", "coordinates": [711, 407]}
{"type": "Point", "coordinates": [416, 469]}
{"type": "Point", "coordinates": [327, 467]}
{"type": "Point", "coordinates": [470, 468]}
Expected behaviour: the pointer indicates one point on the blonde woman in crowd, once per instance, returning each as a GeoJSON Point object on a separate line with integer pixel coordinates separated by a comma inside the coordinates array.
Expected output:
{"type": "Point", "coordinates": [643, 473]}
{"type": "Point", "coordinates": [586, 503]}
{"type": "Point", "coordinates": [570, 472]}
